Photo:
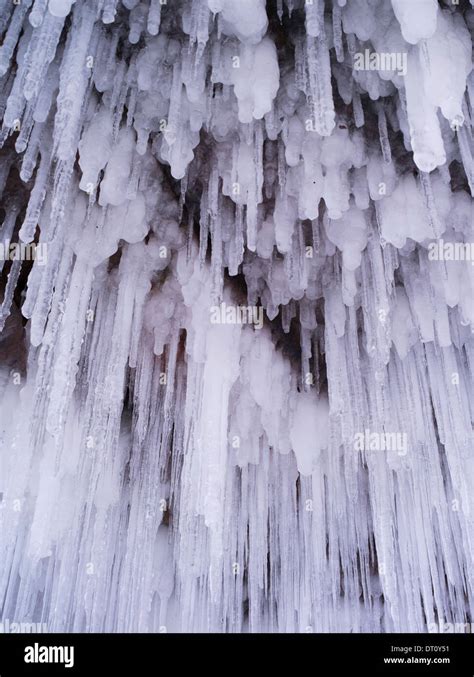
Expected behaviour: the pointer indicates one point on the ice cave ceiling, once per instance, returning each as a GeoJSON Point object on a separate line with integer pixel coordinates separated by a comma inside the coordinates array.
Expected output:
{"type": "Point", "coordinates": [236, 351]}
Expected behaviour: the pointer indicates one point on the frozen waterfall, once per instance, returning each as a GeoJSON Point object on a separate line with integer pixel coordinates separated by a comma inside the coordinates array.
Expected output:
{"type": "Point", "coordinates": [237, 304]}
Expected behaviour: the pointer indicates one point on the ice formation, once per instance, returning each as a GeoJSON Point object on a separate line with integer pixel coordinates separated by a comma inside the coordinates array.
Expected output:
{"type": "Point", "coordinates": [160, 471]}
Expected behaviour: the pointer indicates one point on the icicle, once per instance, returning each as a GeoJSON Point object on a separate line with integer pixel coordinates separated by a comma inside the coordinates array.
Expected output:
{"type": "Point", "coordinates": [280, 9]}
{"type": "Point", "coordinates": [138, 17]}
{"type": "Point", "coordinates": [314, 17]}
{"type": "Point", "coordinates": [154, 17]}
{"type": "Point", "coordinates": [200, 26]}
{"type": "Point", "coordinates": [6, 7]}
{"type": "Point", "coordinates": [236, 245]}
{"type": "Point", "coordinates": [37, 13]}
{"type": "Point", "coordinates": [7, 228]}
{"type": "Point", "coordinates": [383, 133]}
{"type": "Point", "coordinates": [13, 32]}
{"type": "Point", "coordinates": [13, 276]}
{"type": "Point", "coordinates": [337, 31]}
{"type": "Point", "coordinates": [359, 118]}
{"type": "Point", "coordinates": [109, 11]}
{"type": "Point", "coordinates": [433, 216]}
{"type": "Point", "coordinates": [74, 79]}
{"type": "Point", "coordinates": [466, 147]}
{"type": "Point", "coordinates": [319, 79]}
{"type": "Point", "coordinates": [204, 228]}
{"type": "Point", "coordinates": [43, 49]}
{"type": "Point", "coordinates": [21, 142]}
{"type": "Point", "coordinates": [425, 133]}
{"type": "Point", "coordinates": [45, 96]}
{"type": "Point", "coordinates": [37, 197]}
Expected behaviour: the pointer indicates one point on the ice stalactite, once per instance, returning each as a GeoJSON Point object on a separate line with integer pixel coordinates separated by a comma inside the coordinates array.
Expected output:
{"type": "Point", "coordinates": [236, 375]}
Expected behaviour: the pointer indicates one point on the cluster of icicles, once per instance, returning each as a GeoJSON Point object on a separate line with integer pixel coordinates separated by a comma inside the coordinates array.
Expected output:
{"type": "Point", "coordinates": [160, 472]}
